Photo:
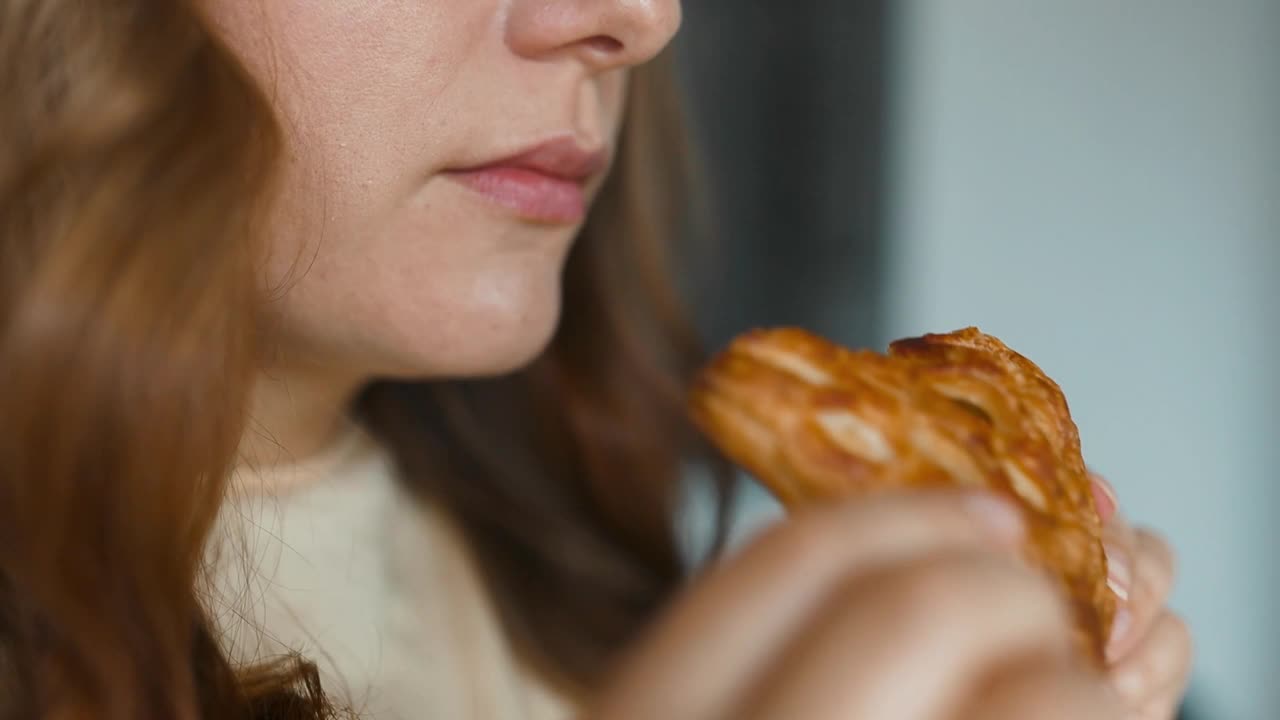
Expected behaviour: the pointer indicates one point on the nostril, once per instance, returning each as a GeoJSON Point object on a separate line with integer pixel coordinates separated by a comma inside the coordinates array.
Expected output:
{"type": "Point", "coordinates": [604, 44]}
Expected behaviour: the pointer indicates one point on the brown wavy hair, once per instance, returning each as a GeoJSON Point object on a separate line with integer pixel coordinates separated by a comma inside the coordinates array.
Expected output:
{"type": "Point", "coordinates": [136, 167]}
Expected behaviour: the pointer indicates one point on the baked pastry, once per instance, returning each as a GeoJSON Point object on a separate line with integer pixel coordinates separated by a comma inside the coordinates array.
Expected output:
{"type": "Point", "coordinates": [815, 421]}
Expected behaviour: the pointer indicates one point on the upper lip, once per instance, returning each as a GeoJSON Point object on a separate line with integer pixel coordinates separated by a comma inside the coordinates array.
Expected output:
{"type": "Point", "coordinates": [561, 158]}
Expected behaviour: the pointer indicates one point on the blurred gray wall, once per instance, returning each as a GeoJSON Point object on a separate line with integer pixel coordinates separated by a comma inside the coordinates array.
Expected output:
{"type": "Point", "coordinates": [1097, 181]}
{"type": "Point", "coordinates": [789, 116]}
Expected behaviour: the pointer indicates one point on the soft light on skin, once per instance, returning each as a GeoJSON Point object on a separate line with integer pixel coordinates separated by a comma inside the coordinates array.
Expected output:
{"type": "Point", "coordinates": [382, 265]}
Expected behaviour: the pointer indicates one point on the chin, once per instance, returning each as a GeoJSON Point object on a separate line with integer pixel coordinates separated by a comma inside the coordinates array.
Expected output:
{"type": "Point", "coordinates": [520, 347]}
{"type": "Point", "coordinates": [482, 342]}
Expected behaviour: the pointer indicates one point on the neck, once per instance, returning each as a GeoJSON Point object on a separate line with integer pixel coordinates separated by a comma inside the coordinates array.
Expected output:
{"type": "Point", "coordinates": [296, 412]}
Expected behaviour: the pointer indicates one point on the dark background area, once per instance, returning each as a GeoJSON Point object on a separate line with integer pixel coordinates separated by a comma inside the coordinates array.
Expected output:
{"type": "Point", "coordinates": [788, 106]}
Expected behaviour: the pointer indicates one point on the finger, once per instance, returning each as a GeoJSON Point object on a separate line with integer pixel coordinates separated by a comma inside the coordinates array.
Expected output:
{"type": "Point", "coordinates": [1104, 497]}
{"type": "Point", "coordinates": [1120, 545]}
{"type": "Point", "coordinates": [1153, 574]}
{"type": "Point", "coordinates": [1044, 691]}
{"type": "Point", "coordinates": [734, 619]}
{"type": "Point", "coordinates": [1118, 538]}
{"type": "Point", "coordinates": [1158, 710]}
{"type": "Point", "coordinates": [910, 642]}
{"type": "Point", "coordinates": [1158, 669]}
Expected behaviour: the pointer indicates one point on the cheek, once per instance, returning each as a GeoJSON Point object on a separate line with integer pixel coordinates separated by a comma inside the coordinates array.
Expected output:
{"type": "Point", "coordinates": [378, 265]}
{"type": "Point", "coordinates": [613, 89]}
{"type": "Point", "coordinates": [433, 291]}
{"type": "Point", "coordinates": [375, 267]}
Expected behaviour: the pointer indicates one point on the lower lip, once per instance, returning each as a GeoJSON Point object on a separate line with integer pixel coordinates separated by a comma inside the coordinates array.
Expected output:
{"type": "Point", "coordinates": [531, 195]}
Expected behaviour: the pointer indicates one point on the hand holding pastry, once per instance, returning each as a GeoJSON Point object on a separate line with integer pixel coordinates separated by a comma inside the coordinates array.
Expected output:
{"type": "Point", "coordinates": [906, 605]}
{"type": "Point", "coordinates": [944, 558]}
{"type": "Point", "coordinates": [1149, 653]}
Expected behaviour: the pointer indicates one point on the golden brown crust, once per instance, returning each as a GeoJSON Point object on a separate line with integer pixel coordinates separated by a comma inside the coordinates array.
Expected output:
{"type": "Point", "coordinates": [815, 421]}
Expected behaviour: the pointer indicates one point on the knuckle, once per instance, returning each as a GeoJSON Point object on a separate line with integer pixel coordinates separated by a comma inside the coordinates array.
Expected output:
{"type": "Point", "coordinates": [939, 514]}
{"type": "Point", "coordinates": [890, 519]}
{"type": "Point", "coordinates": [1181, 639]}
{"type": "Point", "coordinates": [802, 538]}
{"type": "Point", "coordinates": [916, 591]}
{"type": "Point", "coordinates": [1154, 567]}
{"type": "Point", "coordinates": [1165, 708]}
{"type": "Point", "coordinates": [1164, 662]}
{"type": "Point", "coordinates": [958, 589]}
{"type": "Point", "coordinates": [1044, 687]}
{"type": "Point", "coordinates": [1157, 553]}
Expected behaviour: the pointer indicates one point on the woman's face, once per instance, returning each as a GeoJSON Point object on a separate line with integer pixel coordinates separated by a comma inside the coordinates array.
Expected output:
{"type": "Point", "coordinates": [440, 155]}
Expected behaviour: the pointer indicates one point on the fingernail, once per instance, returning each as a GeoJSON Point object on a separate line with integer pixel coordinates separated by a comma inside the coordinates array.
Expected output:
{"type": "Point", "coordinates": [1119, 630]}
{"type": "Point", "coordinates": [1104, 496]}
{"type": "Point", "coordinates": [1119, 577]}
{"type": "Point", "coordinates": [999, 516]}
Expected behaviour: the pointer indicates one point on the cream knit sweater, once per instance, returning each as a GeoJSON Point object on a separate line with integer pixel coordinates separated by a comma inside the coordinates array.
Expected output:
{"type": "Point", "coordinates": [338, 562]}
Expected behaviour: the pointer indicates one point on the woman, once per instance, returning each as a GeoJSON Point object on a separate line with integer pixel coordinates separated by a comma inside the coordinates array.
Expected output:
{"type": "Point", "coordinates": [344, 328]}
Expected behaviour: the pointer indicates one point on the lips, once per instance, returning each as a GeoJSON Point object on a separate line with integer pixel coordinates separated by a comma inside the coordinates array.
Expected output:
{"type": "Point", "coordinates": [545, 184]}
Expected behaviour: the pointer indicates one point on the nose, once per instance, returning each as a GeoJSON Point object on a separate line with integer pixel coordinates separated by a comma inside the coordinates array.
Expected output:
{"type": "Point", "coordinates": [603, 34]}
